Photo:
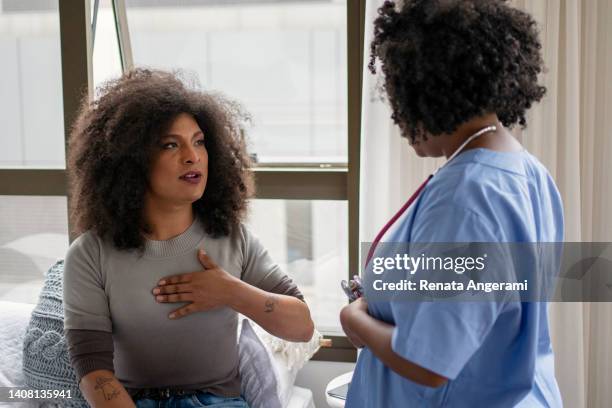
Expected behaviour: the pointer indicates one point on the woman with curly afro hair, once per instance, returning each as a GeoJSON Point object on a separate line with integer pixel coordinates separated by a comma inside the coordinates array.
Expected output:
{"type": "Point", "coordinates": [457, 75]}
{"type": "Point", "coordinates": [163, 264]}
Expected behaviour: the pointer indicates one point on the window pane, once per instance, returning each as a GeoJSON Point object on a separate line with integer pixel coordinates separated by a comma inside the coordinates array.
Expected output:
{"type": "Point", "coordinates": [285, 61]}
{"type": "Point", "coordinates": [33, 236]}
{"type": "Point", "coordinates": [309, 241]}
{"type": "Point", "coordinates": [106, 60]}
{"type": "Point", "coordinates": [31, 110]}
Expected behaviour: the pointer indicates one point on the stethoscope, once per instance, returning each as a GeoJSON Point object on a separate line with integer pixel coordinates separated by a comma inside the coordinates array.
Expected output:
{"type": "Point", "coordinates": [481, 132]}
{"type": "Point", "coordinates": [416, 194]}
{"type": "Point", "coordinates": [354, 288]}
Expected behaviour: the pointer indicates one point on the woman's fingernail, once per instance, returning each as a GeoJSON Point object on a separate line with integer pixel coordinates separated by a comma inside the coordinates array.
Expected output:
{"type": "Point", "coordinates": [159, 298]}
{"type": "Point", "coordinates": [172, 316]}
{"type": "Point", "coordinates": [202, 252]}
{"type": "Point", "coordinates": [156, 291]}
{"type": "Point", "coordinates": [162, 282]}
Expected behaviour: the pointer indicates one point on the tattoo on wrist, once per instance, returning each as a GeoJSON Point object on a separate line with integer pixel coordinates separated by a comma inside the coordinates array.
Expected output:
{"type": "Point", "coordinates": [105, 384]}
{"type": "Point", "coordinates": [270, 304]}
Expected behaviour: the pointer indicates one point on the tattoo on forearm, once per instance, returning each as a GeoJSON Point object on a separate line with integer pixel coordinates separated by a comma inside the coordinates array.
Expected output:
{"type": "Point", "coordinates": [105, 384]}
{"type": "Point", "coordinates": [270, 304]}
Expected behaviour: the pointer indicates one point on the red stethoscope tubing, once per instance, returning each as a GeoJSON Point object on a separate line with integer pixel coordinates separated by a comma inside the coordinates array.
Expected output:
{"type": "Point", "coordinates": [398, 214]}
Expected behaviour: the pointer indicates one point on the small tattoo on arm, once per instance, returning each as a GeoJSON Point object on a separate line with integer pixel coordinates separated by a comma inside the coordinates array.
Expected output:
{"type": "Point", "coordinates": [270, 304]}
{"type": "Point", "coordinates": [105, 384]}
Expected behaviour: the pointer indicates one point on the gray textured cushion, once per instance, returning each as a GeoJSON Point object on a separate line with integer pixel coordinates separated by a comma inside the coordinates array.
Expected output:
{"type": "Point", "coordinates": [259, 384]}
{"type": "Point", "coordinates": [46, 364]}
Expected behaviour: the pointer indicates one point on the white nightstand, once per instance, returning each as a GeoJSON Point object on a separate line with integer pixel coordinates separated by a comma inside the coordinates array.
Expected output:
{"type": "Point", "coordinates": [334, 383]}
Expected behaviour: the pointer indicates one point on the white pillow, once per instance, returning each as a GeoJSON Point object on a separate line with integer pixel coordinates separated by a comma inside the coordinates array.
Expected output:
{"type": "Point", "coordinates": [14, 318]}
{"type": "Point", "coordinates": [283, 360]}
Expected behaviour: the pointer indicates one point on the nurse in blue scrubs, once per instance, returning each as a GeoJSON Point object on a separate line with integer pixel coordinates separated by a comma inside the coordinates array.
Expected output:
{"type": "Point", "coordinates": [457, 74]}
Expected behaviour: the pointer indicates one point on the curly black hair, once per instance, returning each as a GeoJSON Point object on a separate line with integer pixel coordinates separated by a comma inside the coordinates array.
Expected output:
{"type": "Point", "coordinates": [448, 61]}
{"type": "Point", "coordinates": [112, 144]}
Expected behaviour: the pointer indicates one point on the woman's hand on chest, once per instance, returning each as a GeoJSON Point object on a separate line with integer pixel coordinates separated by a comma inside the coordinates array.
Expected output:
{"type": "Point", "coordinates": [206, 289]}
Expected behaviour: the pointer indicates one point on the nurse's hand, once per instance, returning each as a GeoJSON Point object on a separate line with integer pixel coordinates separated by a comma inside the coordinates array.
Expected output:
{"type": "Point", "coordinates": [208, 289]}
{"type": "Point", "coordinates": [347, 314]}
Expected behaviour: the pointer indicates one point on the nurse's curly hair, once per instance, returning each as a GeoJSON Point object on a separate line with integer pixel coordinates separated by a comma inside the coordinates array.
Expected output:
{"type": "Point", "coordinates": [448, 61]}
{"type": "Point", "coordinates": [113, 141]}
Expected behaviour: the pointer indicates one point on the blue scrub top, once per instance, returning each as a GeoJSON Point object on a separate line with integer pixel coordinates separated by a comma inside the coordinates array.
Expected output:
{"type": "Point", "coordinates": [494, 354]}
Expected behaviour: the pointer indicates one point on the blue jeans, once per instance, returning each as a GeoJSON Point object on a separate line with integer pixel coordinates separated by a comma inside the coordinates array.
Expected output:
{"type": "Point", "coordinates": [201, 399]}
